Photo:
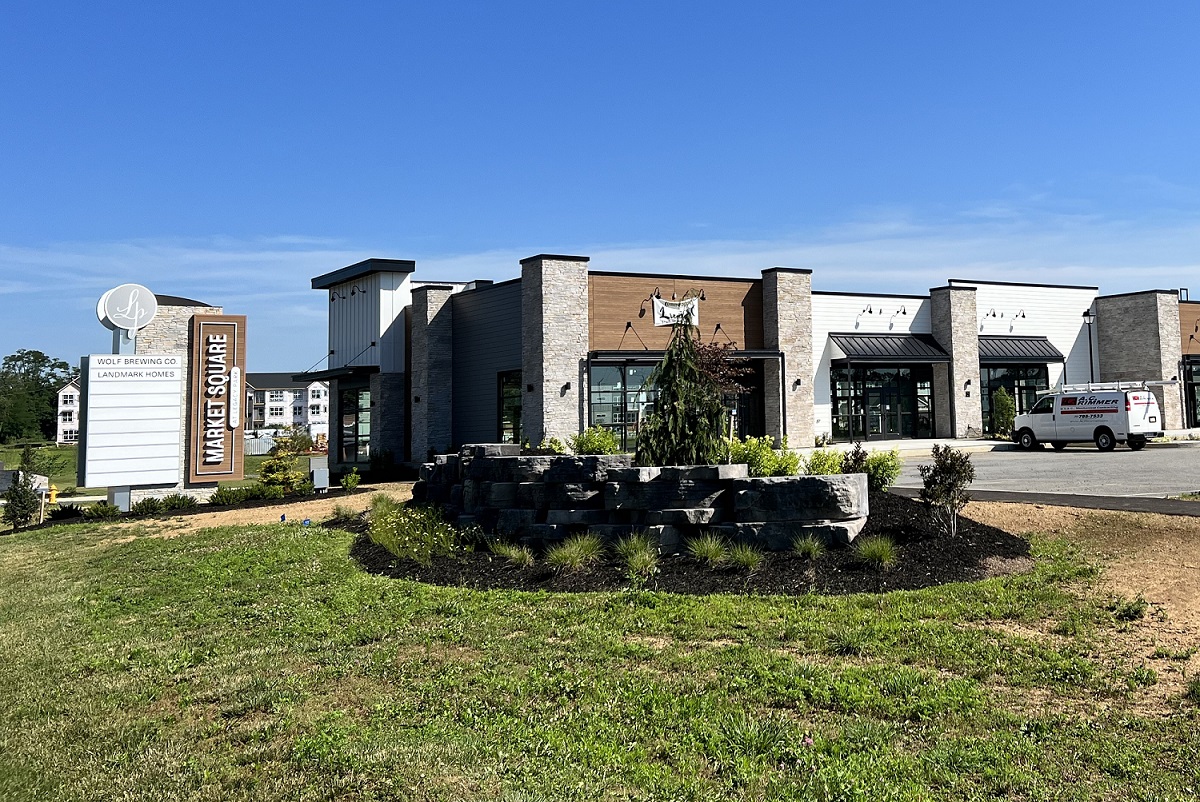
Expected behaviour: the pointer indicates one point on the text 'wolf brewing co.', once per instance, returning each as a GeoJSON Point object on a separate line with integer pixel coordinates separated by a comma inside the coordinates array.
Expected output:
{"type": "Point", "coordinates": [222, 400]}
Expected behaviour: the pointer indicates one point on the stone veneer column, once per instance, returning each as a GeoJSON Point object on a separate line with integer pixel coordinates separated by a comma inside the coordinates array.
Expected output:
{"type": "Point", "coordinates": [554, 345]}
{"type": "Point", "coordinates": [787, 327]}
{"type": "Point", "coordinates": [432, 370]}
{"type": "Point", "coordinates": [1137, 338]}
{"type": "Point", "coordinates": [957, 409]}
{"type": "Point", "coordinates": [170, 333]}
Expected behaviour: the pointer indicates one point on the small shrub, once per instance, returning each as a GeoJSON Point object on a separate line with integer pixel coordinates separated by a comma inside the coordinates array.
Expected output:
{"type": "Point", "coordinates": [227, 497]}
{"type": "Point", "coordinates": [945, 486]}
{"type": "Point", "coordinates": [855, 460]}
{"type": "Point", "coordinates": [349, 481]}
{"type": "Point", "coordinates": [101, 511]}
{"type": "Point", "coordinates": [147, 506]}
{"type": "Point", "coordinates": [879, 551]}
{"type": "Point", "coordinates": [343, 513]}
{"type": "Point", "coordinates": [595, 440]}
{"type": "Point", "coordinates": [65, 512]}
{"type": "Point", "coordinates": [576, 552]}
{"type": "Point", "coordinates": [761, 457]}
{"type": "Point", "coordinates": [519, 556]}
{"type": "Point", "coordinates": [709, 548]}
{"type": "Point", "coordinates": [304, 488]}
{"type": "Point", "coordinates": [823, 462]}
{"type": "Point", "coordinates": [553, 445]}
{"type": "Point", "coordinates": [745, 557]}
{"type": "Point", "coordinates": [808, 547]}
{"type": "Point", "coordinates": [883, 469]}
{"type": "Point", "coordinates": [178, 501]}
{"type": "Point", "coordinates": [411, 533]}
{"type": "Point", "coordinates": [1004, 412]}
{"type": "Point", "coordinates": [269, 492]}
{"type": "Point", "coordinates": [21, 501]}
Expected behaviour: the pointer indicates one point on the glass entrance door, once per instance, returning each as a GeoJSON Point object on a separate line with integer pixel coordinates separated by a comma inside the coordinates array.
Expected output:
{"type": "Point", "coordinates": [883, 413]}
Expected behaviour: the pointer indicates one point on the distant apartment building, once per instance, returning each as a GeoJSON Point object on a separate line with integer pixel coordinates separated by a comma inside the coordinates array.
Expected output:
{"type": "Point", "coordinates": [276, 400]}
{"type": "Point", "coordinates": [68, 414]}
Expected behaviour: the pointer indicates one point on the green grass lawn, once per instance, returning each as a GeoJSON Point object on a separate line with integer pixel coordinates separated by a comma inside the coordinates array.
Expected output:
{"type": "Point", "coordinates": [260, 663]}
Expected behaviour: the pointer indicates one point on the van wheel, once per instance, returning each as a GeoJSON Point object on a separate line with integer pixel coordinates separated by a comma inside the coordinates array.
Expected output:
{"type": "Point", "coordinates": [1105, 440]}
{"type": "Point", "coordinates": [1137, 443]}
{"type": "Point", "coordinates": [1059, 445]}
{"type": "Point", "coordinates": [1026, 440]}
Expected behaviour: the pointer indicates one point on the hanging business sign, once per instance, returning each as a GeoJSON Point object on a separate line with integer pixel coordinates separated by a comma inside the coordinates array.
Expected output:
{"type": "Point", "coordinates": [134, 406]}
{"type": "Point", "coordinates": [668, 313]}
{"type": "Point", "coordinates": [216, 446]}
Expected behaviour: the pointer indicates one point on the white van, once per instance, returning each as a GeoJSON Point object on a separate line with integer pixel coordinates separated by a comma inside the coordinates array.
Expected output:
{"type": "Point", "coordinates": [1103, 413]}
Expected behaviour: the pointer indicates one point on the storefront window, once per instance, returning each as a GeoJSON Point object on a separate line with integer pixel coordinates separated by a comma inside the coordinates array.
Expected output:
{"type": "Point", "coordinates": [1021, 381]}
{"type": "Point", "coordinates": [1191, 376]}
{"type": "Point", "coordinates": [355, 411]}
{"type": "Point", "coordinates": [881, 402]}
{"type": "Point", "coordinates": [510, 406]}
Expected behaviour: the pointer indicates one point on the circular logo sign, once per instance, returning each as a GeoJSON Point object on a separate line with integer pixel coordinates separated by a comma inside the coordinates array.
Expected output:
{"type": "Point", "coordinates": [129, 307]}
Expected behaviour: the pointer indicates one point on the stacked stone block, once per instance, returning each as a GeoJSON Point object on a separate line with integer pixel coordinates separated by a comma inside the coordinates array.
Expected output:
{"type": "Point", "coordinates": [432, 369]}
{"type": "Point", "coordinates": [1138, 339]}
{"type": "Point", "coordinates": [957, 408]}
{"type": "Point", "coordinates": [787, 327]}
{"type": "Point", "coordinates": [554, 314]}
{"type": "Point", "coordinates": [540, 500]}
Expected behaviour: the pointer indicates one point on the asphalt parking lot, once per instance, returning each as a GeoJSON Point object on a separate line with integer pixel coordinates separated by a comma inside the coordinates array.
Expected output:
{"type": "Point", "coordinates": [1159, 470]}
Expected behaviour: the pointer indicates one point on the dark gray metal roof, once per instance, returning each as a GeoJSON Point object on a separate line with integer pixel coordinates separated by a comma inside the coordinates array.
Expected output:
{"type": "Point", "coordinates": [1017, 349]}
{"type": "Point", "coordinates": [886, 348]}
{"type": "Point", "coordinates": [363, 268]}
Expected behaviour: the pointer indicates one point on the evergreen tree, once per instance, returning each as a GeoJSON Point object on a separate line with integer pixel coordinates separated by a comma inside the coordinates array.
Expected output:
{"type": "Point", "coordinates": [687, 426]}
{"type": "Point", "coordinates": [21, 502]}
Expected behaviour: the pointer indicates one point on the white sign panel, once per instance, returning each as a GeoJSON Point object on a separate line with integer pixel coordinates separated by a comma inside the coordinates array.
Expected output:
{"type": "Point", "coordinates": [134, 410]}
{"type": "Point", "coordinates": [668, 313]}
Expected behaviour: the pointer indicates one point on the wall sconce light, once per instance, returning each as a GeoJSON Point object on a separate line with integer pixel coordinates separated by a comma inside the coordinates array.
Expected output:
{"type": "Point", "coordinates": [703, 297]}
{"type": "Point", "coordinates": [529, 388]}
{"type": "Point", "coordinates": [901, 311]}
{"type": "Point", "coordinates": [566, 386]}
{"type": "Point", "coordinates": [655, 294]}
{"type": "Point", "coordinates": [967, 388]}
{"type": "Point", "coordinates": [797, 384]}
{"type": "Point", "coordinates": [357, 290]}
{"type": "Point", "coordinates": [334, 295]}
{"type": "Point", "coordinates": [867, 310]}
{"type": "Point", "coordinates": [416, 399]}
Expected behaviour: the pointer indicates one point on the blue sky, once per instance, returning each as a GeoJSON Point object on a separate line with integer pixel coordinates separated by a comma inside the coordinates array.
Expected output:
{"type": "Point", "coordinates": [229, 152]}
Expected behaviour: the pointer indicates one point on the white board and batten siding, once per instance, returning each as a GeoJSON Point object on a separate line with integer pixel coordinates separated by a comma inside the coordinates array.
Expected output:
{"type": "Point", "coordinates": [134, 409]}
{"type": "Point", "coordinates": [369, 309]}
{"type": "Point", "coordinates": [842, 314]}
{"type": "Point", "coordinates": [1053, 312]}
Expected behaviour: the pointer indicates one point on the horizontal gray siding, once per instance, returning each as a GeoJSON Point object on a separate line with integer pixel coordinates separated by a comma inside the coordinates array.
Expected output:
{"type": "Point", "coordinates": [487, 341]}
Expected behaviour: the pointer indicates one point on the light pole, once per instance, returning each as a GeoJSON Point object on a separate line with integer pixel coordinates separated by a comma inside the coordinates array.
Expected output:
{"type": "Point", "coordinates": [1089, 317]}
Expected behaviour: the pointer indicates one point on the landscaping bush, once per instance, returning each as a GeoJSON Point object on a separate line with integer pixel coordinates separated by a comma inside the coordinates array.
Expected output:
{"type": "Point", "coordinates": [178, 501]}
{"type": "Point", "coordinates": [227, 497]}
{"type": "Point", "coordinates": [349, 481]}
{"type": "Point", "coordinates": [281, 468]}
{"type": "Point", "coordinates": [576, 552]}
{"type": "Point", "coordinates": [761, 457]}
{"type": "Point", "coordinates": [639, 552]}
{"type": "Point", "coordinates": [21, 502]}
{"type": "Point", "coordinates": [855, 460]}
{"type": "Point", "coordinates": [883, 469]}
{"type": "Point", "coordinates": [1004, 412]}
{"type": "Point", "coordinates": [147, 506]}
{"type": "Point", "coordinates": [945, 486]}
{"type": "Point", "coordinates": [595, 440]}
{"type": "Point", "coordinates": [101, 511]}
{"type": "Point", "coordinates": [823, 462]}
{"type": "Point", "coordinates": [411, 533]}
{"type": "Point", "coordinates": [65, 512]}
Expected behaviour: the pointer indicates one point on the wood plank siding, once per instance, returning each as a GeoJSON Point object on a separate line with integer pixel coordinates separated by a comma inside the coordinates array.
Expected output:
{"type": "Point", "coordinates": [615, 299]}
{"type": "Point", "coordinates": [1189, 319]}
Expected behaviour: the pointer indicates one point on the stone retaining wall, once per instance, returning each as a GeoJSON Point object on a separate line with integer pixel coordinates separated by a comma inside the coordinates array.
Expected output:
{"type": "Point", "coordinates": [539, 500]}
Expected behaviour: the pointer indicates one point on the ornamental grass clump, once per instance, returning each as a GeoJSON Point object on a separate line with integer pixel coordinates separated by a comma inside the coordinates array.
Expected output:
{"type": "Point", "coordinates": [575, 553]}
{"type": "Point", "coordinates": [808, 547]}
{"type": "Point", "coordinates": [178, 501]}
{"type": "Point", "coordinates": [709, 548]}
{"type": "Point", "coordinates": [101, 511]}
{"type": "Point", "coordinates": [745, 557]}
{"type": "Point", "coordinates": [519, 556]}
{"type": "Point", "coordinates": [147, 506]}
{"type": "Point", "coordinates": [410, 533]}
{"type": "Point", "coordinates": [879, 551]}
{"type": "Point", "coordinates": [639, 553]}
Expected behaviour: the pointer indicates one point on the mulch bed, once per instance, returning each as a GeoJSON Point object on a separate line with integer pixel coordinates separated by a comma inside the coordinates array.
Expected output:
{"type": "Point", "coordinates": [925, 559]}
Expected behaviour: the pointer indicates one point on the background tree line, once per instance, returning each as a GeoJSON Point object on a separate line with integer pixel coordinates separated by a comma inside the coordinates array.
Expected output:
{"type": "Point", "coordinates": [29, 385]}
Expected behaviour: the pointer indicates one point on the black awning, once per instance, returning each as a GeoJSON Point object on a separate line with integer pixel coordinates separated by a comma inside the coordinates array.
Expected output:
{"type": "Point", "coordinates": [906, 348]}
{"type": "Point", "coordinates": [1038, 350]}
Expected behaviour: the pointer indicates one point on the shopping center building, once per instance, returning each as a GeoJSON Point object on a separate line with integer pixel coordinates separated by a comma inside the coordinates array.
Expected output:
{"type": "Point", "coordinates": [417, 366]}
